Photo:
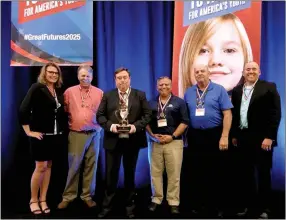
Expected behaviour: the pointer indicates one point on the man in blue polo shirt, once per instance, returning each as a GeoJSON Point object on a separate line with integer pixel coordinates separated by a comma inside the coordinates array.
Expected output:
{"type": "Point", "coordinates": [168, 123]}
{"type": "Point", "coordinates": [210, 120]}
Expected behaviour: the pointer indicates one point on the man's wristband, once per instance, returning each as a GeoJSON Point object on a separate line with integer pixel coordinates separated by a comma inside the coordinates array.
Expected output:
{"type": "Point", "coordinates": [174, 137]}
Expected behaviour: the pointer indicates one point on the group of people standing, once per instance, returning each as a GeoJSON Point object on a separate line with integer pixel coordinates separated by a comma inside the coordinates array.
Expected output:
{"type": "Point", "coordinates": [207, 117]}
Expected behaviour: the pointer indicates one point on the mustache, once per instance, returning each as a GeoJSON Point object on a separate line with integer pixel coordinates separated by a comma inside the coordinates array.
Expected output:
{"type": "Point", "coordinates": [221, 70]}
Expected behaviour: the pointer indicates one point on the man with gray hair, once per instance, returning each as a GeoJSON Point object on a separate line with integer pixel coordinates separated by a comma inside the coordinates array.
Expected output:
{"type": "Point", "coordinates": [210, 120]}
{"type": "Point", "coordinates": [81, 103]}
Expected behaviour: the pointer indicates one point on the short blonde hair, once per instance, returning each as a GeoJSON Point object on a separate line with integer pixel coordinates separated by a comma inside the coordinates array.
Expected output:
{"type": "Point", "coordinates": [196, 36]}
{"type": "Point", "coordinates": [43, 73]}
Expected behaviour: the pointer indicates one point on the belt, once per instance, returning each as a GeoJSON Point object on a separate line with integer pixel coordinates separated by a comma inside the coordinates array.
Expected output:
{"type": "Point", "coordinates": [52, 133]}
{"type": "Point", "coordinates": [84, 131]}
{"type": "Point", "coordinates": [243, 128]}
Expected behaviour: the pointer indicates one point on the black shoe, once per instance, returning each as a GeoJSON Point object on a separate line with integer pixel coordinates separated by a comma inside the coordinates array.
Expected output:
{"type": "Point", "coordinates": [220, 214]}
{"type": "Point", "coordinates": [104, 213]}
{"type": "Point", "coordinates": [130, 215]}
{"type": "Point", "coordinates": [242, 212]}
{"type": "Point", "coordinates": [153, 206]}
{"type": "Point", "coordinates": [264, 214]}
{"type": "Point", "coordinates": [130, 211]}
{"type": "Point", "coordinates": [175, 210]}
{"type": "Point", "coordinates": [195, 211]}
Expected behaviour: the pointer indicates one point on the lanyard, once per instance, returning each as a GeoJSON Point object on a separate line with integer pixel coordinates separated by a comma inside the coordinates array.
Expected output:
{"type": "Point", "coordinates": [57, 101]}
{"type": "Point", "coordinates": [55, 96]}
{"type": "Point", "coordinates": [161, 108]}
{"type": "Point", "coordinates": [244, 93]}
{"type": "Point", "coordinates": [84, 98]}
{"type": "Point", "coordinates": [200, 97]}
{"type": "Point", "coordinates": [251, 90]}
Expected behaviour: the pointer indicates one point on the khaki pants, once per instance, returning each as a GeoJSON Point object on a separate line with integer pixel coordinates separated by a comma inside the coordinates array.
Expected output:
{"type": "Point", "coordinates": [170, 156]}
{"type": "Point", "coordinates": [82, 148]}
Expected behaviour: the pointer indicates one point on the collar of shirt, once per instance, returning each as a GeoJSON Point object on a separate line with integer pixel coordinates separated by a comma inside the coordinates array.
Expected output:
{"type": "Point", "coordinates": [157, 97]}
{"type": "Point", "coordinates": [250, 86]}
{"type": "Point", "coordinates": [81, 89]}
{"type": "Point", "coordinates": [209, 88]}
{"type": "Point", "coordinates": [126, 92]}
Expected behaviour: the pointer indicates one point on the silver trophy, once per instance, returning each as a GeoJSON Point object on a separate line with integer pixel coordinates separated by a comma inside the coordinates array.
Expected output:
{"type": "Point", "coordinates": [121, 114]}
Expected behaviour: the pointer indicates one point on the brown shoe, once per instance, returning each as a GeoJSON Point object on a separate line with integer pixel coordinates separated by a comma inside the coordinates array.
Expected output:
{"type": "Point", "coordinates": [90, 203]}
{"type": "Point", "coordinates": [63, 205]}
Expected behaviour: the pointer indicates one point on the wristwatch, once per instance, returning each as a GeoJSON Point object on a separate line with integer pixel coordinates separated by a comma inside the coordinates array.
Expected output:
{"type": "Point", "coordinates": [173, 137]}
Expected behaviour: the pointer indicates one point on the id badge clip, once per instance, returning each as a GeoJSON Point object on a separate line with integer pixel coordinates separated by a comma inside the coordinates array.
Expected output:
{"type": "Point", "coordinates": [162, 122]}
{"type": "Point", "coordinates": [200, 112]}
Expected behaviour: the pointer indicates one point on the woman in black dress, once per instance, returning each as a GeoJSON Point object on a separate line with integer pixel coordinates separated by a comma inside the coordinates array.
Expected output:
{"type": "Point", "coordinates": [43, 119]}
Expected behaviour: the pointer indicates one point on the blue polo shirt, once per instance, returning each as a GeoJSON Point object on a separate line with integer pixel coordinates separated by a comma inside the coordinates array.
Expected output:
{"type": "Point", "coordinates": [176, 113]}
{"type": "Point", "coordinates": [215, 100]}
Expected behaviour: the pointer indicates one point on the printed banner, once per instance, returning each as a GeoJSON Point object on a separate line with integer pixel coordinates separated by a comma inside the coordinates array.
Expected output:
{"type": "Point", "coordinates": [223, 35]}
{"type": "Point", "coordinates": [51, 31]}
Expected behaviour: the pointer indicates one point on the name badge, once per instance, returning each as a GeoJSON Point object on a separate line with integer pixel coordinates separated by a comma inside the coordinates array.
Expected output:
{"type": "Point", "coordinates": [162, 122]}
{"type": "Point", "coordinates": [200, 112]}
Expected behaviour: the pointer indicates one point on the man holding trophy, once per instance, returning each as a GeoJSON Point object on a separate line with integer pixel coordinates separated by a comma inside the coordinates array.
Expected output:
{"type": "Point", "coordinates": [123, 114]}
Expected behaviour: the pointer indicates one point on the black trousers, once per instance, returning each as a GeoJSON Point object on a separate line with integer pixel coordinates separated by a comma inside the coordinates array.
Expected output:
{"type": "Point", "coordinates": [113, 162]}
{"type": "Point", "coordinates": [209, 168]}
{"type": "Point", "coordinates": [253, 168]}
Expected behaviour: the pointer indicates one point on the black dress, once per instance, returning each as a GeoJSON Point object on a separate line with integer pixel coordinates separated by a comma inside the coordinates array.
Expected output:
{"type": "Point", "coordinates": [40, 110]}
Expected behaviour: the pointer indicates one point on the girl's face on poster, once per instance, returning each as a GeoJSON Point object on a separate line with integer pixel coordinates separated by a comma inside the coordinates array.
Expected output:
{"type": "Point", "coordinates": [223, 54]}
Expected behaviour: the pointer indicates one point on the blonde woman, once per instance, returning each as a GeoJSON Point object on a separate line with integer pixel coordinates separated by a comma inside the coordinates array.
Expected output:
{"type": "Point", "coordinates": [43, 119]}
{"type": "Point", "coordinates": [222, 44]}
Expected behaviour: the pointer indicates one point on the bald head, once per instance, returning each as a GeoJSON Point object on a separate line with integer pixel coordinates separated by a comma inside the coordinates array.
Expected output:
{"type": "Point", "coordinates": [201, 67]}
{"type": "Point", "coordinates": [251, 72]}
{"type": "Point", "coordinates": [202, 74]}
{"type": "Point", "coordinates": [251, 64]}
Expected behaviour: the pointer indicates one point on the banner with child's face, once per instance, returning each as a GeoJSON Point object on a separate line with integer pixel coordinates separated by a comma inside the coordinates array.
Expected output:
{"type": "Point", "coordinates": [222, 35]}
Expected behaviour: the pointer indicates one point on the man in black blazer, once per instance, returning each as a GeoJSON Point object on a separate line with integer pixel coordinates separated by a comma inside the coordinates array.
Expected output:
{"type": "Point", "coordinates": [129, 103]}
{"type": "Point", "coordinates": [256, 118]}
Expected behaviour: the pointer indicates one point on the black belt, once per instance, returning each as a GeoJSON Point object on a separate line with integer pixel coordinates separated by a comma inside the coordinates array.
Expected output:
{"type": "Point", "coordinates": [84, 131]}
{"type": "Point", "coordinates": [52, 133]}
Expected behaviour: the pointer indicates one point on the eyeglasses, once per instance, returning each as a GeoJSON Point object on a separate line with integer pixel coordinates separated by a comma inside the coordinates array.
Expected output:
{"type": "Point", "coordinates": [52, 72]}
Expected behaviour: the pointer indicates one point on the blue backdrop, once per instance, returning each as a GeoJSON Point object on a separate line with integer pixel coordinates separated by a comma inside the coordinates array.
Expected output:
{"type": "Point", "coordinates": [138, 35]}
{"type": "Point", "coordinates": [273, 69]}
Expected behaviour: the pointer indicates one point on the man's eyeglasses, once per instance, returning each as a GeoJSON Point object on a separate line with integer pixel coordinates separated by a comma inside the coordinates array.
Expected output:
{"type": "Point", "coordinates": [52, 72]}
